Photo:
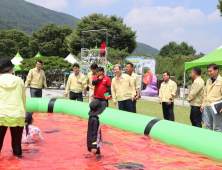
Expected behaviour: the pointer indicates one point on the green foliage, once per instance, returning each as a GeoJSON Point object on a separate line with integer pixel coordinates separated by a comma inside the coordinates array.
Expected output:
{"type": "Point", "coordinates": [220, 6]}
{"type": "Point", "coordinates": [175, 65]}
{"type": "Point", "coordinates": [29, 17]}
{"type": "Point", "coordinates": [146, 49]}
{"type": "Point", "coordinates": [50, 40]}
{"type": "Point", "coordinates": [116, 56]}
{"type": "Point", "coordinates": [119, 35]}
{"type": "Point", "coordinates": [13, 41]}
{"type": "Point", "coordinates": [173, 48]}
{"type": "Point", "coordinates": [143, 55]}
{"type": "Point", "coordinates": [4, 26]}
{"type": "Point", "coordinates": [53, 66]}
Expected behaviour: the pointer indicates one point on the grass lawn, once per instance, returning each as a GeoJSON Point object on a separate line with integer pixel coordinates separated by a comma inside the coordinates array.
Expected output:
{"type": "Point", "coordinates": [154, 109]}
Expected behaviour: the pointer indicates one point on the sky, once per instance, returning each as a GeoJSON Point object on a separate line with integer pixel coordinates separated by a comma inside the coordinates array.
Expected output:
{"type": "Point", "coordinates": [157, 22]}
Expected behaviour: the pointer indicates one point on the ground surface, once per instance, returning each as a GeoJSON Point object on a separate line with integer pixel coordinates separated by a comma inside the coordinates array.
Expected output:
{"type": "Point", "coordinates": [64, 147]}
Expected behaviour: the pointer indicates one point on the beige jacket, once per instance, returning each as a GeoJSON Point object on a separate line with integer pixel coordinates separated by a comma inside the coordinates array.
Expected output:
{"type": "Point", "coordinates": [36, 79]}
{"type": "Point", "coordinates": [213, 92]}
{"type": "Point", "coordinates": [136, 80]}
{"type": "Point", "coordinates": [89, 78]}
{"type": "Point", "coordinates": [72, 84]}
{"type": "Point", "coordinates": [122, 89]}
{"type": "Point", "coordinates": [166, 89]}
{"type": "Point", "coordinates": [196, 92]}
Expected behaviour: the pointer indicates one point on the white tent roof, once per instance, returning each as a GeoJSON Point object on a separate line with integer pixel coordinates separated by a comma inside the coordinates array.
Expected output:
{"type": "Point", "coordinates": [219, 48]}
{"type": "Point", "coordinates": [17, 59]}
{"type": "Point", "coordinates": [71, 59]}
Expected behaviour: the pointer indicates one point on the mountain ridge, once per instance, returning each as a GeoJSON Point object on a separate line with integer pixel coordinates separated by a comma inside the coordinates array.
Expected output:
{"type": "Point", "coordinates": [12, 16]}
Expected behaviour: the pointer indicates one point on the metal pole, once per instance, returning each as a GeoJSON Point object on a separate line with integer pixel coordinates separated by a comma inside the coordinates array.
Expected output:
{"type": "Point", "coordinates": [184, 82]}
{"type": "Point", "coordinates": [82, 40]}
{"type": "Point", "coordinates": [64, 79]}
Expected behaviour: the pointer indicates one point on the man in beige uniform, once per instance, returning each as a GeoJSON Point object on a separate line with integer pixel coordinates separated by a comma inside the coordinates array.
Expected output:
{"type": "Point", "coordinates": [89, 78]}
{"type": "Point", "coordinates": [36, 78]}
{"type": "Point", "coordinates": [212, 93]}
{"type": "Point", "coordinates": [136, 82]}
{"type": "Point", "coordinates": [123, 90]}
{"type": "Point", "coordinates": [166, 96]}
{"type": "Point", "coordinates": [75, 84]}
{"type": "Point", "coordinates": [195, 97]}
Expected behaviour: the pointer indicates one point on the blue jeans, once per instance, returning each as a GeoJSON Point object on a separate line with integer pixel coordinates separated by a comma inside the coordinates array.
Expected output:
{"type": "Point", "coordinates": [126, 105]}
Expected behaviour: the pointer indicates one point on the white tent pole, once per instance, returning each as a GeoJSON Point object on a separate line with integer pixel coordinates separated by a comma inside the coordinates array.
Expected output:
{"type": "Point", "coordinates": [184, 82]}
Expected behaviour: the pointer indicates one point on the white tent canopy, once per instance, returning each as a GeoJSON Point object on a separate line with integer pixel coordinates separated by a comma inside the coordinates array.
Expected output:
{"type": "Point", "coordinates": [219, 48]}
{"type": "Point", "coordinates": [17, 59]}
{"type": "Point", "coordinates": [17, 62]}
{"type": "Point", "coordinates": [71, 58]}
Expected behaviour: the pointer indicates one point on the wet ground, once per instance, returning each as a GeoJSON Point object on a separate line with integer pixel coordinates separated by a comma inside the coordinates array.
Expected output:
{"type": "Point", "coordinates": [64, 147]}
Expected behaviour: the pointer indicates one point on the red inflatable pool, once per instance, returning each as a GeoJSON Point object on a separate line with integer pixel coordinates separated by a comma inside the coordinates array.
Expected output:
{"type": "Point", "coordinates": [65, 147]}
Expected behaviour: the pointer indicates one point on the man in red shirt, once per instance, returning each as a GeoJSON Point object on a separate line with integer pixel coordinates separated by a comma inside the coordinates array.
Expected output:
{"type": "Point", "coordinates": [103, 51]}
{"type": "Point", "coordinates": [102, 85]}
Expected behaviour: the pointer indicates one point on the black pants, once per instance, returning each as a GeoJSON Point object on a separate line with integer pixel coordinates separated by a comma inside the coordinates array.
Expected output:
{"type": "Point", "coordinates": [35, 92]}
{"type": "Point", "coordinates": [16, 135]}
{"type": "Point", "coordinates": [97, 152]}
{"type": "Point", "coordinates": [74, 96]}
{"type": "Point", "coordinates": [134, 105]}
{"type": "Point", "coordinates": [103, 100]}
{"type": "Point", "coordinates": [196, 116]}
{"type": "Point", "coordinates": [168, 111]}
{"type": "Point", "coordinates": [126, 105]}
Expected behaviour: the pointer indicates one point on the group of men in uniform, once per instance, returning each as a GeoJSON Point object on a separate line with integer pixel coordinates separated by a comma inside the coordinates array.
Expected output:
{"type": "Point", "coordinates": [200, 98]}
{"type": "Point", "coordinates": [125, 88]}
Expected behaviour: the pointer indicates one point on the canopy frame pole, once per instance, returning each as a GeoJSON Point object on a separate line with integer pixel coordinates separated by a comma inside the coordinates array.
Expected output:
{"type": "Point", "coordinates": [64, 79]}
{"type": "Point", "coordinates": [184, 82]}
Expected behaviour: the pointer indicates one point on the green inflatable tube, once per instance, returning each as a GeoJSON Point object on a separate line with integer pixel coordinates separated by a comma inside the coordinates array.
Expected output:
{"type": "Point", "coordinates": [192, 138]}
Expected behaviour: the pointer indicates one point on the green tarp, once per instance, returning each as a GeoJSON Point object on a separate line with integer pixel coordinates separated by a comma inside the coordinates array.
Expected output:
{"type": "Point", "coordinates": [213, 57]}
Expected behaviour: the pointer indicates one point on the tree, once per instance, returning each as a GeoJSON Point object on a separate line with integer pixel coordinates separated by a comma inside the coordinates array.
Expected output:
{"type": "Point", "coordinates": [175, 65]}
{"type": "Point", "coordinates": [50, 40]}
{"type": "Point", "coordinates": [53, 66]}
{"type": "Point", "coordinates": [173, 48]}
{"type": "Point", "coordinates": [220, 6]}
{"type": "Point", "coordinates": [143, 55]}
{"type": "Point", "coordinates": [117, 56]}
{"type": "Point", "coordinates": [13, 41]}
{"type": "Point", "coordinates": [119, 35]}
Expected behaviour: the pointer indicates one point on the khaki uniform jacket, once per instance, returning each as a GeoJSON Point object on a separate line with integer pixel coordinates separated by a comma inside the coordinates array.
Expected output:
{"type": "Point", "coordinates": [122, 89]}
{"type": "Point", "coordinates": [166, 89]}
{"type": "Point", "coordinates": [213, 92]}
{"type": "Point", "coordinates": [72, 84]}
{"type": "Point", "coordinates": [135, 80]}
{"type": "Point", "coordinates": [89, 78]}
{"type": "Point", "coordinates": [36, 79]}
{"type": "Point", "coordinates": [196, 92]}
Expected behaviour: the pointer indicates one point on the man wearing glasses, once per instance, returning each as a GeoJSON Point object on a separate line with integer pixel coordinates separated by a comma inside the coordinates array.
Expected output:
{"type": "Point", "coordinates": [212, 93]}
{"type": "Point", "coordinates": [102, 85]}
